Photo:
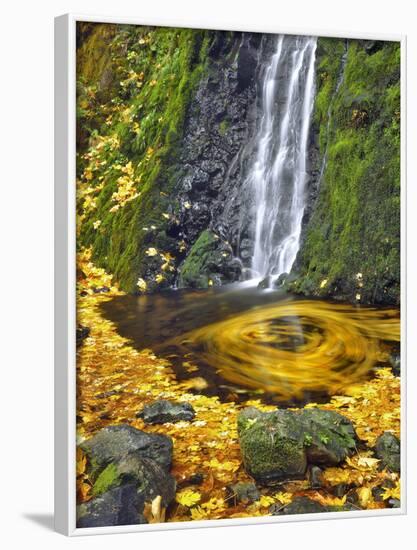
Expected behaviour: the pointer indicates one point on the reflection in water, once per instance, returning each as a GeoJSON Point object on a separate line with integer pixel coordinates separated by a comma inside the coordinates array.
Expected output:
{"type": "Point", "coordinates": [259, 341]}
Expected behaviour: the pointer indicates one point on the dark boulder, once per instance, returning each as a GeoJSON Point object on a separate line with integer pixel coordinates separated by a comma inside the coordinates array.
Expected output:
{"type": "Point", "coordinates": [265, 283]}
{"type": "Point", "coordinates": [330, 437]}
{"type": "Point", "coordinates": [242, 492]}
{"type": "Point", "coordinates": [113, 443]}
{"type": "Point", "coordinates": [305, 505]}
{"type": "Point", "coordinates": [388, 450]}
{"type": "Point", "coordinates": [278, 445]}
{"type": "Point", "coordinates": [395, 361]}
{"type": "Point", "coordinates": [162, 411]}
{"type": "Point", "coordinates": [300, 505]}
{"type": "Point", "coordinates": [119, 506]}
{"type": "Point", "coordinates": [82, 333]}
{"type": "Point", "coordinates": [150, 479]}
{"type": "Point", "coordinates": [316, 477]}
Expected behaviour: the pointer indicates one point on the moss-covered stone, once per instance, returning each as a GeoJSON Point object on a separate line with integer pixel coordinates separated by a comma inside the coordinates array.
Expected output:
{"type": "Point", "coordinates": [329, 437]}
{"type": "Point", "coordinates": [351, 247]}
{"type": "Point", "coordinates": [278, 445]}
{"type": "Point", "coordinates": [271, 445]}
{"type": "Point", "coordinates": [202, 266]}
{"type": "Point", "coordinates": [106, 479]}
{"type": "Point", "coordinates": [388, 450]}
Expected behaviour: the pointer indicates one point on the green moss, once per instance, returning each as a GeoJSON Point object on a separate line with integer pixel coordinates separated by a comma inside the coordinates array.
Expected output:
{"type": "Point", "coordinates": [156, 71]}
{"type": "Point", "coordinates": [202, 258]}
{"type": "Point", "coordinates": [108, 478]}
{"type": "Point", "coordinates": [353, 237]}
{"type": "Point", "coordinates": [271, 444]}
{"type": "Point", "coordinates": [223, 127]}
{"type": "Point", "coordinates": [266, 454]}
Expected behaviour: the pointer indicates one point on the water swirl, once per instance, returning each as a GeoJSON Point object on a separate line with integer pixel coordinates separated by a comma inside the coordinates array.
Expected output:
{"type": "Point", "coordinates": [294, 347]}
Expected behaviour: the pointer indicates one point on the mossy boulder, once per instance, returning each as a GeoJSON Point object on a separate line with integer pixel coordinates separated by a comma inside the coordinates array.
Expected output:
{"type": "Point", "coordinates": [129, 469]}
{"type": "Point", "coordinates": [329, 437]}
{"type": "Point", "coordinates": [121, 491]}
{"type": "Point", "coordinates": [206, 262]}
{"type": "Point", "coordinates": [279, 445]}
{"type": "Point", "coordinates": [272, 445]}
{"type": "Point", "coordinates": [149, 478]}
{"type": "Point", "coordinates": [387, 449]}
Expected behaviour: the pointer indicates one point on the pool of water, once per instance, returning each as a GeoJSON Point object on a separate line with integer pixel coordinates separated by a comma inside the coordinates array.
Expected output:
{"type": "Point", "coordinates": [239, 341]}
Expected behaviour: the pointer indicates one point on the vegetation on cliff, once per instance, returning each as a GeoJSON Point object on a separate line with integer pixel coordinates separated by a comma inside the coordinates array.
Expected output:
{"type": "Point", "coordinates": [134, 85]}
{"type": "Point", "coordinates": [351, 248]}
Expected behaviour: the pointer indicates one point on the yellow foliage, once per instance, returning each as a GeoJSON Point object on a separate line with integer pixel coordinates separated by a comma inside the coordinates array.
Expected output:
{"type": "Point", "coordinates": [142, 284]}
{"type": "Point", "coordinates": [188, 498]}
{"type": "Point", "coordinates": [392, 492]}
{"type": "Point", "coordinates": [114, 381]}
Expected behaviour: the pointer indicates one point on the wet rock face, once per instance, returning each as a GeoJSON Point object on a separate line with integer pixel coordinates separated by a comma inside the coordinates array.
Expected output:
{"type": "Point", "coordinates": [388, 449]}
{"type": "Point", "coordinates": [162, 411]}
{"type": "Point", "coordinates": [279, 445]}
{"type": "Point", "coordinates": [219, 122]}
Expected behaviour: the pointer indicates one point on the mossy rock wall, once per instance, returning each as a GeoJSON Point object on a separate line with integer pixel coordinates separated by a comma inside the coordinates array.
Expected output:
{"type": "Point", "coordinates": [134, 85]}
{"type": "Point", "coordinates": [351, 242]}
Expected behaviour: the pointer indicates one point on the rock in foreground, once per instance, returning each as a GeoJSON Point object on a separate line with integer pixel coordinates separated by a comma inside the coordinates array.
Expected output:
{"type": "Point", "coordinates": [163, 410]}
{"type": "Point", "coordinates": [387, 449]}
{"type": "Point", "coordinates": [304, 505]}
{"type": "Point", "coordinates": [129, 470]}
{"type": "Point", "coordinates": [119, 506]}
{"type": "Point", "coordinates": [115, 442]}
{"type": "Point", "coordinates": [279, 445]}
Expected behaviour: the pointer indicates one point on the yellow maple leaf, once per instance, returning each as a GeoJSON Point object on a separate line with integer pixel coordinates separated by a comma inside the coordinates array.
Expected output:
{"type": "Point", "coordinates": [142, 284]}
{"type": "Point", "coordinates": [365, 496]}
{"type": "Point", "coordinates": [198, 513]}
{"type": "Point", "coordinates": [392, 492]}
{"type": "Point", "coordinates": [368, 462]}
{"type": "Point", "coordinates": [188, 498]}
{"type": "Point", "coordinates": [335, 476]}
{"type": "Point", "coordinates": [81, 461]}
{"type": "Point", "coordinates": [214, 504]}
{"type": "Point", "coordinates": [266, 501]}
{"type": "Point", "coordinates": [283, 498]}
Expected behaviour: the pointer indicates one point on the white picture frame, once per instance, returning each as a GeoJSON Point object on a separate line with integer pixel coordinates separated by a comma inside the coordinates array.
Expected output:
{"type": "Point", "coordinates": [65, 303]}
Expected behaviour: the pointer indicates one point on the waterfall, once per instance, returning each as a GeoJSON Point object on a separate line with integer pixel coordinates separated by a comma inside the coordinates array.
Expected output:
{"type": "Point", "coordinates": [278, 173]}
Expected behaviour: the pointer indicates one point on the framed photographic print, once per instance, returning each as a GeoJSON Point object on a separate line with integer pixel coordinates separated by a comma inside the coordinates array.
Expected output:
{"type": "Point", "coordinates": [229, 244]}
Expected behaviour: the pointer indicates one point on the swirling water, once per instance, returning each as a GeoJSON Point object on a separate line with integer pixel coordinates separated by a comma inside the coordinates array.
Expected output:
{"type": "Point", "coordinates": [245, 341]}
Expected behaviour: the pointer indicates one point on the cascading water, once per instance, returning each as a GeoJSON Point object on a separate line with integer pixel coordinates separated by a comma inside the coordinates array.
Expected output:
{"type": "Point", "coordinates": [277, 177]}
